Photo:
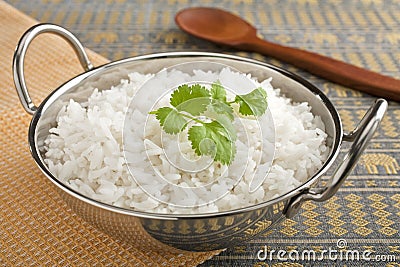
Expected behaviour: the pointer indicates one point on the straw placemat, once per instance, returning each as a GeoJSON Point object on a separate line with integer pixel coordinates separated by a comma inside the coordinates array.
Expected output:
{"type": "Point", "coordinates": [36, 227]}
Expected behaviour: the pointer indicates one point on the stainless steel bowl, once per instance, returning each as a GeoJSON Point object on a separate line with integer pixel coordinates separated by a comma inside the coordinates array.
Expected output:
{"type": "Point", "coordinates": [196, 232]}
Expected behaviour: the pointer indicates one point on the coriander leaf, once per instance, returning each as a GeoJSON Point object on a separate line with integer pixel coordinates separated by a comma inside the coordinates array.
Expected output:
{"type": "Point", "coordinates": [200, 143]}
{"type": "Point", "coordinates": [224, 149]}
{"type": "Point", "coordinates": [224, 119]}
{"type": "Point", "coordinates": [162, 114]}
{"type": "Point", "coordinates": [220, 107]}
{"type": "Point", "coordinates": [226, 122]}
{"type": "Point", "coordinates": [170, 119]}
{"type": "Point", "coordinates": [196, 134]}
{"type": "Point", "coordinates": [253, 103]}
{"type": "Point", "coordinates": [218, 92]}
{"type": "Point", "coordinates": [193, 99]}
{"type": "Point", "coordinates": [207, 147]}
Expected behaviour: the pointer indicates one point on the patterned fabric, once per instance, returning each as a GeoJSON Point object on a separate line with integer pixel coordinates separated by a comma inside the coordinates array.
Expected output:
{"type": "Point", "coordinates": [365, 212]}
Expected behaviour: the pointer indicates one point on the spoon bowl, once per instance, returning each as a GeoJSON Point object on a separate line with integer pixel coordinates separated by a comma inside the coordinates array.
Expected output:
{"type": "Point", "coordinates": [222, 27]}
{"type": "Point", "coordinates": [215, 25]}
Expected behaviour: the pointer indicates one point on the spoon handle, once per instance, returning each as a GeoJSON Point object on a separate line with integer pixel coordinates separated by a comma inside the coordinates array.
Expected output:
{"type": "Point", "coordinates": [331, 69]}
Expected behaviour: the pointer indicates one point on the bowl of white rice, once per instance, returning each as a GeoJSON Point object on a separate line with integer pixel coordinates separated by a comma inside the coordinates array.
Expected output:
{"type": "Point", "coordinates": [200, 175]}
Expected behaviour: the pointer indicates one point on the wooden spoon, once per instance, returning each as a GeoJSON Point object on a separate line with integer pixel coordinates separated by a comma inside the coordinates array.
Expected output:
{"type": "Point", "coordinates": [225, 28]}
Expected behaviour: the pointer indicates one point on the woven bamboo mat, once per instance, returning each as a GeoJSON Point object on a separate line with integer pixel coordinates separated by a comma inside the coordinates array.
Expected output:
{"type": "Point", "coordinates": [36, 227]}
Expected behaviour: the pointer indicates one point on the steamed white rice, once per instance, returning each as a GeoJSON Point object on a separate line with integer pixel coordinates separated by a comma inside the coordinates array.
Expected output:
{"type": "Point", "coordinates": [86, 151]}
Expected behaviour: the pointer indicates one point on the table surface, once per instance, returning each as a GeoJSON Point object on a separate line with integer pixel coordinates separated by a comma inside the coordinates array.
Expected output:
{"type": "Point", "coordinates": [365, 213]}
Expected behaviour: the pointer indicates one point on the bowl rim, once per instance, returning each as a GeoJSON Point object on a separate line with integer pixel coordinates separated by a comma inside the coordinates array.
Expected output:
{"type": "Point", "coordinates": [167, 216]}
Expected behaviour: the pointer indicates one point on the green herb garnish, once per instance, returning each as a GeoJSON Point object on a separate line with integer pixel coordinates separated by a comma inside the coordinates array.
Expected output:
{"type": "Point", "coordinates": [214, 136]}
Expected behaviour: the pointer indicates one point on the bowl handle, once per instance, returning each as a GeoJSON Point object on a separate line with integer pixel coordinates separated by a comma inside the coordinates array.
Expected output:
{"type": "Point", "coordinates": [20, 52]}
{"type": "Point", "coordinates": [360, 137]}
